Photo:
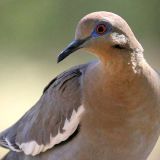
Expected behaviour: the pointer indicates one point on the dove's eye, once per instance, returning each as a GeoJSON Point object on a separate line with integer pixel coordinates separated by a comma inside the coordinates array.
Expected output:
{"type": "Point", "coordinates": [101, 29]}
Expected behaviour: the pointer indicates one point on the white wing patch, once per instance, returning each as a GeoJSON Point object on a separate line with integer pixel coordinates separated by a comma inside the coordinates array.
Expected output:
{"type": "Point", "coordinates": [33, 148]}
{"type": "Point", "coordinates": [11, 146]}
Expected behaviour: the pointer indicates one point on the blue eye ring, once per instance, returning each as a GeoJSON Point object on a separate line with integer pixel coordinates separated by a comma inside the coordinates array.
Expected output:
{"type": "Point", "coordinates": [101, 29]}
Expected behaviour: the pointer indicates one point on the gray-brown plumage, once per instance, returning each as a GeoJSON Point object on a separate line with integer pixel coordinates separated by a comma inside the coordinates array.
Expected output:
{"type": "Point", "coordinates": [48, 115]}
{"type": "Point", "coordinates": [105, 110]}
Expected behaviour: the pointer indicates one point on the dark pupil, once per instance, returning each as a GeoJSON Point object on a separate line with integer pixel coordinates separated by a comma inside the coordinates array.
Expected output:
{"type": "Point", "coordinates": [101, 29]}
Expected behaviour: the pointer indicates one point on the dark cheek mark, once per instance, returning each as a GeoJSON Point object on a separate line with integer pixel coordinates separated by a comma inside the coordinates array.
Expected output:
{"type": "Point", "coordinates": [117, 46]}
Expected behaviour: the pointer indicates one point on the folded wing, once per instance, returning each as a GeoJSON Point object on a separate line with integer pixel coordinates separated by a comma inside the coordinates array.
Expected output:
{"type": "Point", "coordinates": [53, 119]}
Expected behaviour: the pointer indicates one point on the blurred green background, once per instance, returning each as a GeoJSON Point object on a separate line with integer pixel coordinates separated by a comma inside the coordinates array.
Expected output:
{"type": "Point", "coordinates": [33, 32]}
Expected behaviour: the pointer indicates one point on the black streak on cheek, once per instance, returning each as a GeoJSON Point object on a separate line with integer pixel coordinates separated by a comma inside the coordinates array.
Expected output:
{"type": "Point", "coordinates": [117, 46]}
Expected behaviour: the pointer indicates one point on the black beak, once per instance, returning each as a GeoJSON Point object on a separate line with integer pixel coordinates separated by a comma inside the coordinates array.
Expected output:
{"type": "Point", "coordinates": [72, 47]}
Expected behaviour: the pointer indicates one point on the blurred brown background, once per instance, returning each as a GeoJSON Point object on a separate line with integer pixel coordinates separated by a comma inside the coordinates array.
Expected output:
{"type": "Point", "coordinates": [33, 32]}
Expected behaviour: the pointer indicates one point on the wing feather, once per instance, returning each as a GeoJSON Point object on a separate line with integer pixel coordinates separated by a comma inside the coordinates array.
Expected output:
{"type": "Point", "coordinates": [52, 119]}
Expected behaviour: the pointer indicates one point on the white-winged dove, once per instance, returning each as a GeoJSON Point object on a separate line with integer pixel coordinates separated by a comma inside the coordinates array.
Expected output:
{"type": "Point", "coordinates": [108, 109]}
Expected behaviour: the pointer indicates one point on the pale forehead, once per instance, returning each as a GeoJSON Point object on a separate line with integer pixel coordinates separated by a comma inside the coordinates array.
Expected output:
{"type": "Point", "coordinates": [87, 23]}
{"type": "Point", "coordinates": [100, 15]}
{"type": "Point", "coordinates": [95, 17]}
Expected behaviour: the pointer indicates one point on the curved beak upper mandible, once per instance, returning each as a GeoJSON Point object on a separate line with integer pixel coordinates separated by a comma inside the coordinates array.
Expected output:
{"type": "Point", "coordinates": [72, 47]}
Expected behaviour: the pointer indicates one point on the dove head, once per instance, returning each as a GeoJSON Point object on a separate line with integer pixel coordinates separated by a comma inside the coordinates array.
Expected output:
{"type": "Point", "coordinates": [103, 34]}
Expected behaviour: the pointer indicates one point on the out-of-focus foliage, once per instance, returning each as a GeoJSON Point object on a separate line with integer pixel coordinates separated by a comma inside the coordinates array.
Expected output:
{"type": "Point", "coordinates": [35, 25]}
{"type": "Point", "coordinates": [33, 32]}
